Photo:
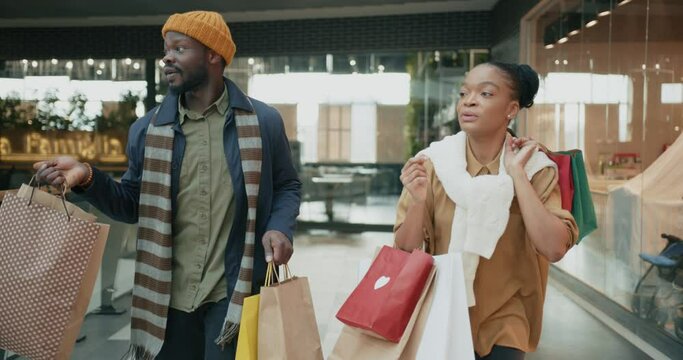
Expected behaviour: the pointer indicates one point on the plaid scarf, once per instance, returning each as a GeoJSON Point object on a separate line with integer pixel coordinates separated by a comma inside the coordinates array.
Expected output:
{"type": "Point", "coordinates": [152, 289]}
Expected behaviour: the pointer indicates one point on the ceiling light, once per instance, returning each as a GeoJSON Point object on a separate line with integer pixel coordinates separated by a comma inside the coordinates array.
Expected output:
{"type": "Point", "coordinates": [571, 23]}
{"type": "Point", "coordinates": [591, 23]}
{"type": "Point", "coordinates": [551, 33]}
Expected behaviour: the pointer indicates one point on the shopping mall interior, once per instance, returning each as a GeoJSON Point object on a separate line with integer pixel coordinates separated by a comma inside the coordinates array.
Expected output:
{"type": "Point", "coordinates": [361, 87]}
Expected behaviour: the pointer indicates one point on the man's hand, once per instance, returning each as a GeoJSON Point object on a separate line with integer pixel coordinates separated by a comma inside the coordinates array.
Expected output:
{"type": "Point", "coordinates": [61, 170]}
{"type": "Point", "coordinates": [277, 247]}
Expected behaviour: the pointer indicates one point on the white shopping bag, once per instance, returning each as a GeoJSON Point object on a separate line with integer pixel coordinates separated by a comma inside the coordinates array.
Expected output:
{"type": "Point", "coordinates": [447, 333]}
{"type": "Point", "coordinates": [442, 330]}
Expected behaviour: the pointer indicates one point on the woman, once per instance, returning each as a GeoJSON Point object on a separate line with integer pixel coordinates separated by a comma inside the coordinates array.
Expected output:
{"type": "Point", "coordinates": [508, 225]}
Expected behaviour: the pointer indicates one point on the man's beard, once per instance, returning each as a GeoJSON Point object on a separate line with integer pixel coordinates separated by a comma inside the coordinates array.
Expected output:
{"type": "Point", "coordinates": [190, 81]}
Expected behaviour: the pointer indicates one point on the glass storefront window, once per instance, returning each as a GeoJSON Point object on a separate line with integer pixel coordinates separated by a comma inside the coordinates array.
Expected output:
{"type": "Point", "coordinates": [611, 84]}
{"type": "Point", "coordinates": [352, 119]}
{"type": "Point", "coordinates": [77, 69]}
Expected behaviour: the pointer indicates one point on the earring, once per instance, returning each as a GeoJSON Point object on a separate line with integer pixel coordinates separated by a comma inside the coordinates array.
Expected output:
{"type": "Point", "coordinates": [509, 116]}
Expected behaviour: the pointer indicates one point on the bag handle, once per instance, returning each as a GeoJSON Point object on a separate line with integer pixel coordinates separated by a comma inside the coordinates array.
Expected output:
{"type": "Point", "coordinates": [288, 273]}
{"type": "Point", "coordinates": [544, 149]}
{"type": "Point", "coordinates": [271, 274]}
{"type": "Point", "coordinates": [62, 196]}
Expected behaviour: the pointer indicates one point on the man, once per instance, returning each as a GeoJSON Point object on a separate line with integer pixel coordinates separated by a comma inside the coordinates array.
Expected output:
{"type": "Point", "coordinates": [209, 171]}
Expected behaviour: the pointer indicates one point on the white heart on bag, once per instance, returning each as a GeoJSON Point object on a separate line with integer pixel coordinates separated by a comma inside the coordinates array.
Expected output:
{"type": "Point", "coordinates": [381, 282]}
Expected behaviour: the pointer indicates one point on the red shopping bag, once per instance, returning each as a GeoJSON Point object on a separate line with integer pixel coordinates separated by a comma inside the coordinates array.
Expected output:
{"type": "Point", "coordinates": [385, 298]}
{"type": "Point", "coordinates": [565, 177]}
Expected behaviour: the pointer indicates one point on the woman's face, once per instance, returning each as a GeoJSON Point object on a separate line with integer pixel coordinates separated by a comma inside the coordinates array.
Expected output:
{"type": "Point", "coordinates": [486, 101]}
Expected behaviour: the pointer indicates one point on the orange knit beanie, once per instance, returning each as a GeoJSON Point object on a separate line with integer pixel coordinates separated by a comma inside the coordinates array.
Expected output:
{"type": "Point", "coordinates": [207, 27]}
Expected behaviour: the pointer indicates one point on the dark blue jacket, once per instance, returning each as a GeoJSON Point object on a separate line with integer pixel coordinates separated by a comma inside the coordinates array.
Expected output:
{"type": "Point", "coordinates": [279, 193]}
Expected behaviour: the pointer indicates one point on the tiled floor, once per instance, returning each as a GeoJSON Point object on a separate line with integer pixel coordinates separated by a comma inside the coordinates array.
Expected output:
{"type": "Point", "coordinates": [569, 332]}
{"type": "Point", "coordinates": [330, 261]}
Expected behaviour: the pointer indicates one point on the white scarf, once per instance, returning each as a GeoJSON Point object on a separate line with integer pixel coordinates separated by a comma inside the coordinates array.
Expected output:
{"type": "Point", "coordinates": [482, 202]}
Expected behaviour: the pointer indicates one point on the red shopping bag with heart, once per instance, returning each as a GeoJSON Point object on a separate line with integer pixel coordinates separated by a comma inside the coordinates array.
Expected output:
{"type": "Point", "coordinates": [385, 298]}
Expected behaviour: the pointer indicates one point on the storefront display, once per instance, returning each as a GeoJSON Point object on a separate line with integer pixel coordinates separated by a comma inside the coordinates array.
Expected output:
{"type": "Point", "coordinates": [611, 79]}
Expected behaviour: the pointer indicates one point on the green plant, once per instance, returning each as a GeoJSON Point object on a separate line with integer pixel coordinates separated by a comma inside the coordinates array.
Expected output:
{"type": "Point", "coordinates": [76, 114]}
{"type": "Point", "coordinates": [410, 131]}
{"type": "Point", "coordinates": [49, 116]}
{"type": "Point", "coordinates": [122, 116]}
{"type": "Point", "coordinates": [415, 110]}
{"type": "Point", "coordinates": [12, 115]}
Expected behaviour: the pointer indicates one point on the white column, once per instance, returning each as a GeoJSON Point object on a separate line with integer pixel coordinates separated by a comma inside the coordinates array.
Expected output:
{"type": "Point", "coordinates": [363, 133]}
{"type": "Point", "coordinates": [307, 130]}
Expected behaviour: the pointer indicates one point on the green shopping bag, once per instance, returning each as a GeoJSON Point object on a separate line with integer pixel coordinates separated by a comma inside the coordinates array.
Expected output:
{"type": "Point", "coordinates": [582, 203]}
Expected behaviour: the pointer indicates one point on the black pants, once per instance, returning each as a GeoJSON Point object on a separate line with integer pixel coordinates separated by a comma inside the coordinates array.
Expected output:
{"type": "Point", "coordinates": [503, 353]}
{"type": "Point", "coordinates": [190, 336]}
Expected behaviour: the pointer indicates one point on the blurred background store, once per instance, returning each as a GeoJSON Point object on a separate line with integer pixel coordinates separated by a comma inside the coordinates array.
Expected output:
{"type": "Point", "coordinates": [363, 85]}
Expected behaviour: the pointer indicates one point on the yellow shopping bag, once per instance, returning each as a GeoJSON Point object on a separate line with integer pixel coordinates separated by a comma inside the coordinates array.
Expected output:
{"type": "Point", "coordinates": [247, 341]}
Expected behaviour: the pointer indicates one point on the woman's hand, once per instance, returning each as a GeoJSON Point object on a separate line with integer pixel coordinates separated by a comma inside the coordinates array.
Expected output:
{"type": "Point", "coordinates": [547, 232]}
{"type": "Point", "coordinates": [410, 234]}
{"type": "Point", "coordinates": [414, 178]}
{"type": "Point", "coordinates": [518, 151]}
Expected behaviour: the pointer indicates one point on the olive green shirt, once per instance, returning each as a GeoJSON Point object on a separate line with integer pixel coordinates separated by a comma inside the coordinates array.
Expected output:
{"type": "Point", "coordinates": [206, 209]}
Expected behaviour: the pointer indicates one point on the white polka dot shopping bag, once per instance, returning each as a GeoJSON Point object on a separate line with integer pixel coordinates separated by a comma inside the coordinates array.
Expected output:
{"type": "Point", "coordinates": [50, 253]}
